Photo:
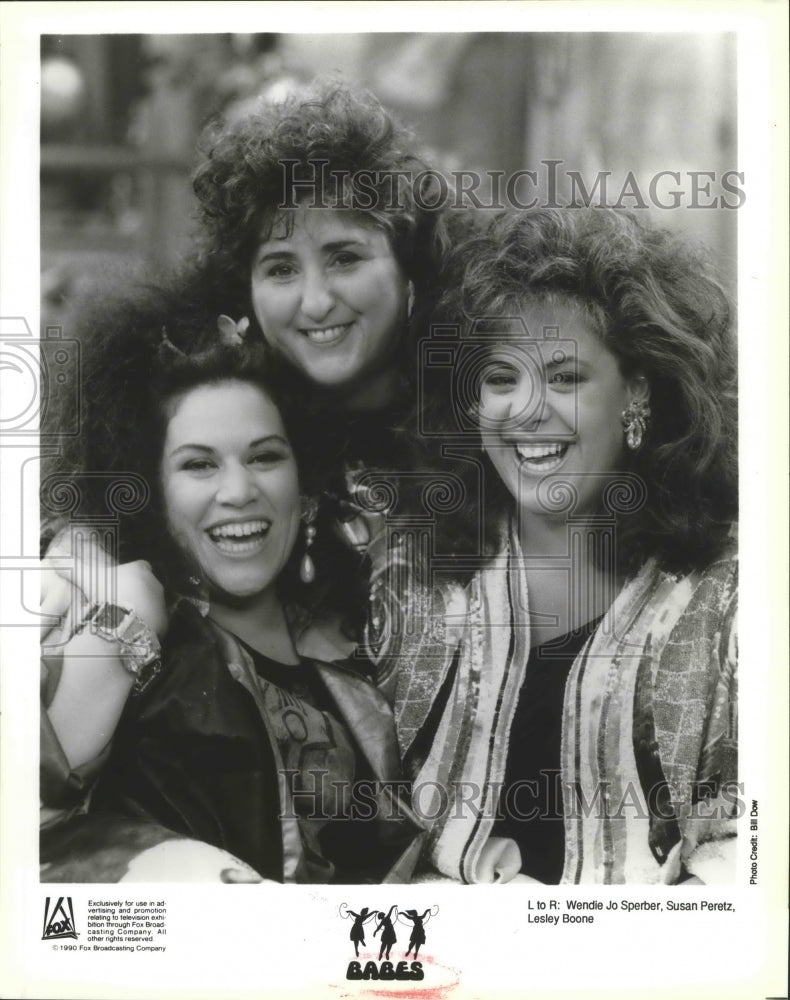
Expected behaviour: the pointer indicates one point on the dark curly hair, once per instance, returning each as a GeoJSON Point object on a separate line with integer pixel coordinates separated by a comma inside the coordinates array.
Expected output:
{"type": "Point", "coordinates": [655, 303]}
{"type": "Point", "coordinates": [334, 144]}
{"type": "Point", "coordinates": [138, 352]}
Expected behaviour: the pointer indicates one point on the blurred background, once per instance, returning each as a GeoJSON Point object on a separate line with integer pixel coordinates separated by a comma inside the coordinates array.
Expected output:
{"type": "Point", "coordinates": [121, 114]}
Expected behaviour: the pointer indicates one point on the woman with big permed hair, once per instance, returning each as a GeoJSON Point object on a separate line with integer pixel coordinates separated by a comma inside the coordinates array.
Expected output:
{"type": "Point", "coordinates": [577, 695]}
{"type": "Point", "coordinates": [270, 184]}
{"type": "Point", "coordinates": [321, 221]}
{"type": "Point", "coordinates": [202, 715]}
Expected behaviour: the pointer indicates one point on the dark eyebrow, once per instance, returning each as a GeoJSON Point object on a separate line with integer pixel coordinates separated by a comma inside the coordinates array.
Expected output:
{"type": "Point", "coordinates": [330, 247]}
{"type": "Point", "coordinates": [502, 356]}
{"type": "Point", "coordinates": [275, 254]}
{"type": "Point", "coordinates": [340, 244]}
{"type": "Point", "coordinates": [270, 439]}
{"type": "Point", "coordinates": [497, 358]}
{"type": "Point", "coordinates": [569, 359]}
{"type": "Point", "coordinates": [208, 450]}
{"type": "Point", "coordinates": [192, 447]}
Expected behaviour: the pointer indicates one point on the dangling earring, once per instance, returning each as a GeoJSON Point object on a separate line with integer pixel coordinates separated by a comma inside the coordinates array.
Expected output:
{"type": "Point", "coordinates": [309, 512]}
{"type": "Point", "coordinates": [635, 419]}
{"type": "Point", "coordinates": [410, 300]}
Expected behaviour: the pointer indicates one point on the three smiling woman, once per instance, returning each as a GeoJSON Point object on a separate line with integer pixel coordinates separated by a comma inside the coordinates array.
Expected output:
{"type": "Point", "coordinates": [558, 668]}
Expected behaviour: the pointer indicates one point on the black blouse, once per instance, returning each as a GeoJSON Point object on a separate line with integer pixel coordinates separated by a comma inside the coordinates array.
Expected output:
{"type": "Point", "coordinates": [530, 804]}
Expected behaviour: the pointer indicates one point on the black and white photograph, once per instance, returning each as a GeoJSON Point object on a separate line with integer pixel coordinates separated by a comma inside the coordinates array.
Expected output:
{"type": "Point", "coordinates": [394, 443]}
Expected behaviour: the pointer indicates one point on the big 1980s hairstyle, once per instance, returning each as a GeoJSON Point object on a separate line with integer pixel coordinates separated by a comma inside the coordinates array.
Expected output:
{"type": "Point", "coordinates": [139, 352]}
{"type": "Point", "coordinates": [654, 302]}
{"type": "Point", "coordinates": [330, 146]}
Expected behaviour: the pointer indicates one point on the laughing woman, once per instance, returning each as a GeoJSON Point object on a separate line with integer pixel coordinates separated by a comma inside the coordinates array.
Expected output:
{"type": "Point", "coordinates": [579, 696]}
{"type": "Point", "coordinates": [192, 712]}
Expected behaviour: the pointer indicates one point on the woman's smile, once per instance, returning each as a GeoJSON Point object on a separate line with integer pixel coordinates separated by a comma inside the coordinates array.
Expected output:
{"type": "Point", "coordinates": [327, 336]}
{"type": "Point", "coordinates": [541, 458]}
{"type": "Point", "coordinates": [240, 538]}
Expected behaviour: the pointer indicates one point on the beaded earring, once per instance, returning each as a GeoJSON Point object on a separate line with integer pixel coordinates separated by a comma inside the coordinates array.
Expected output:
{"type": "Point", "coordinates": [309, 512]}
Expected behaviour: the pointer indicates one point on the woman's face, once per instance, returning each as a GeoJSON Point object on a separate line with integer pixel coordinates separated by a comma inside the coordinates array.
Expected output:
{"type": "Point", "coordinates": [330, 296]}
{"type": "Point", "coordinates": [230, 486]}
{"type": "Point", "coordinates": [551, 404]}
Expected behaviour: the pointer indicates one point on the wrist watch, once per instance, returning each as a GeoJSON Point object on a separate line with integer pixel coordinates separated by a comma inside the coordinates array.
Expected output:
{"type": "Point", "coordinates": [140, 652]}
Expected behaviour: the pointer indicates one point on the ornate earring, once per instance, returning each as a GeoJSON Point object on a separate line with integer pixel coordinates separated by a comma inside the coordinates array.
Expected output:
{"type": "Point", "coordinates": [410, 300]}
{"type": "Point", "coordinates": [635, 418]}
{"type": "Point", "coordinates": [309, 512]}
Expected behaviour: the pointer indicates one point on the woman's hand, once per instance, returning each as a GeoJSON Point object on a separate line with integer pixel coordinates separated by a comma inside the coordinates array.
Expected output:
{"type": "Point", "coordinates": [240, 876]}
{"type": "Point", "coordinates": [358, 528]}
{"type": "Point", "coordinates": [86, 574]}
{"type": "Point", "coordinates": [499, 861]}
{"type": "Point", "coordinates": [183, 860]}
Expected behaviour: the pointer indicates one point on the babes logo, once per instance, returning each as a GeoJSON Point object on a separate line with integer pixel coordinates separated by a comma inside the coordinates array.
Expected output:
{"type": "Point", "coordinates": [384, 929]}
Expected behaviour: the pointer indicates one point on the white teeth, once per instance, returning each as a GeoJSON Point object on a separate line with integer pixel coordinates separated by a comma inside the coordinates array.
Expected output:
{"type": "Point", "coordinates": [540, 450]}
{"type": "Point", "coordinates": [327, 334]}
{"type": "Point", "coordinates": [240, 530]}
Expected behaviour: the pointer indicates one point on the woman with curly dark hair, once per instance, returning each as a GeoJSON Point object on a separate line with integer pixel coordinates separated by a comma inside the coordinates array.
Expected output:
{"type": "Point", "coordinates": [303, 202]}
{"type": "Point", "coordinates": [319, 219]}
{"type": "Point", "coordinates": [200, 702]}
{"type": "Point", "coordinates": [580, 700]}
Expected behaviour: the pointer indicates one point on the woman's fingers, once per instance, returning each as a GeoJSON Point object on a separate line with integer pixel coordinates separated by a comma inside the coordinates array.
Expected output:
{"type": "Point", "coordinates": [55, 593]}
{"type": "Point", "coordinates": [359, 529]}
{"type": "Point", "coordinates": [75, 571]}
{"type": "Point", "coordinates": [93, 571]}
{"type": "Point", "coordinates": [60, 546]}
{"type": "Point", "coordinates": [74, 547]}
{"type": "Point", "coordinates": [500, 860]}
{"type": "Point", "coordinates": [239, 876]}
{"type": "Point", "coordinates": [78, 571]}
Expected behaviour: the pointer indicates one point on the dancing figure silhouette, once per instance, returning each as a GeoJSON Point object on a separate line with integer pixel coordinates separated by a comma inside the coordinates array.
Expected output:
{"type": "Point", "coordinates": [388, 937]}
{"type": "Point", "coordinates": [418, 930]}
{"type": "Point", "coordinates": [357, 934]}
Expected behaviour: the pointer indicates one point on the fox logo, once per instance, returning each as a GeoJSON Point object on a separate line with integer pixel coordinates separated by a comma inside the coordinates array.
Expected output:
{"type": "Point", "coordinates": [59, 919]}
